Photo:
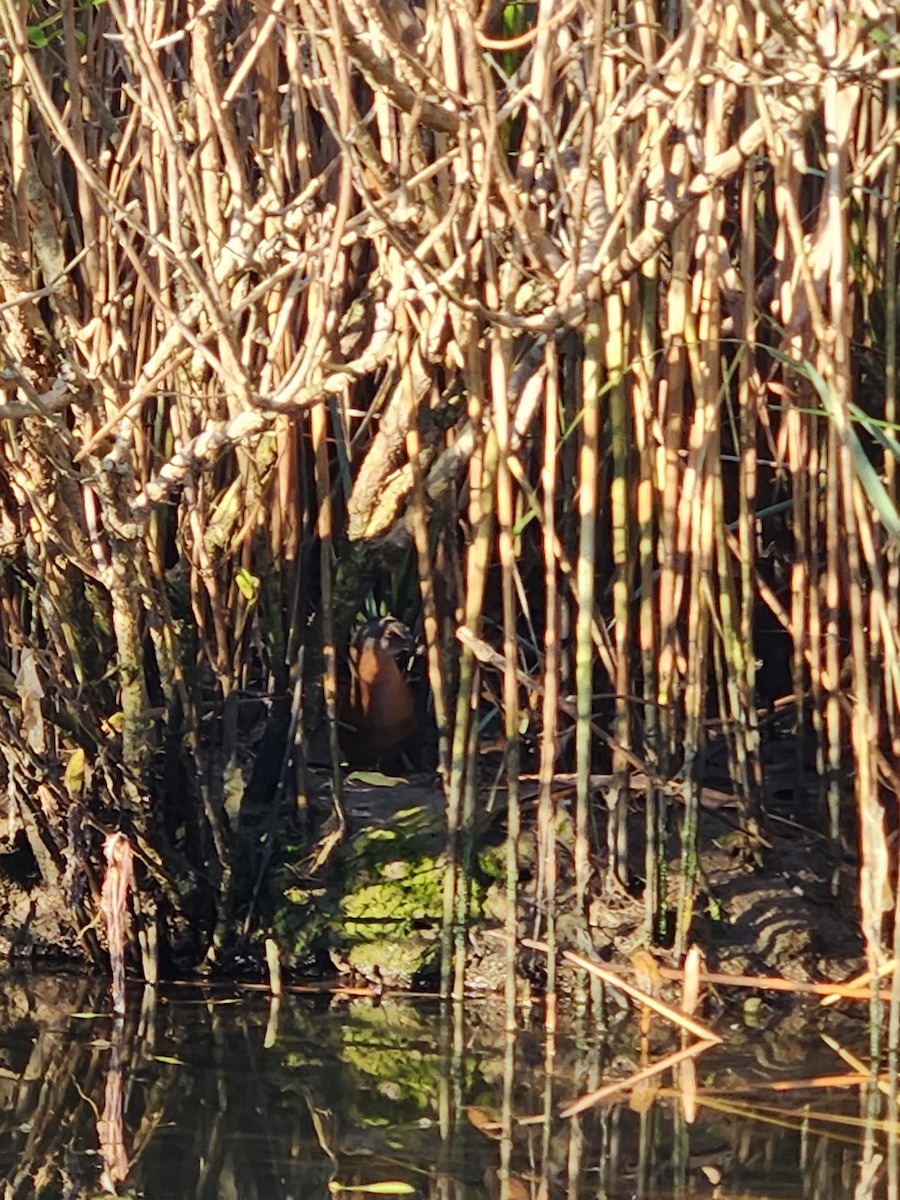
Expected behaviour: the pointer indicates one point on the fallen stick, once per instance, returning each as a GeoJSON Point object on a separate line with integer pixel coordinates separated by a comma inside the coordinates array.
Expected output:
{"type": "Point", "coordinates": [861, 981]}
{"type": "Point", "coordinates": [682, 1020]}
{"type": "Point", "coordinates": [776, 983]}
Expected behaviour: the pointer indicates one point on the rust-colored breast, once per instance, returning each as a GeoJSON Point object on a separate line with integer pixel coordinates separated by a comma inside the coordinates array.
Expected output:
{"type": "Point", "coordinates": [378, 717]}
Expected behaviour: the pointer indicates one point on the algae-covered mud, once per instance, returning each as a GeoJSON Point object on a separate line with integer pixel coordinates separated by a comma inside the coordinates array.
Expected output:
{"type": "Point", "coordinates": [376, 908]}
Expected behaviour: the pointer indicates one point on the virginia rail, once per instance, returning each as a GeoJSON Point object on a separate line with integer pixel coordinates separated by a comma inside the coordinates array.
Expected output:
{"type": "Point", "coordinates": [378, 717]}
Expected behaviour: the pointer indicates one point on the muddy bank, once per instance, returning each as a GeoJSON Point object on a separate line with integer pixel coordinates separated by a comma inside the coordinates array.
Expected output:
{"type": "Point", "coordinates": [367, 903]}
{"type": "Point", "coordinates": [775, 908]}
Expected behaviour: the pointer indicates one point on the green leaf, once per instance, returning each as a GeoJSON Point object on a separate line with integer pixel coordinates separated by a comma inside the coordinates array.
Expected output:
{"type": "Point", "coordinates": [375, 779]}
{"type": "Point", "coordinates": [865, 471]}
{"type": "Point", "coordinates": [248, 585]}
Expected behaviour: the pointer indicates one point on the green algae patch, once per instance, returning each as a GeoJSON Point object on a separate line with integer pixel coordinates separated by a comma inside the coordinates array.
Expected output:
{"type": "Point", "coordinates": [380, 911]}
{"type": "Point", "coordinates": [396, 962]}
{"type": "Point", "coordinates": [401, 896]}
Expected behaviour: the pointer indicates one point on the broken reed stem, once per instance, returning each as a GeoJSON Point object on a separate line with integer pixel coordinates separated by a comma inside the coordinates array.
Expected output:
{"type": "Point", "coordinates": [114, 908]}
{"type": "Point", "coordinates": [680, 1019]}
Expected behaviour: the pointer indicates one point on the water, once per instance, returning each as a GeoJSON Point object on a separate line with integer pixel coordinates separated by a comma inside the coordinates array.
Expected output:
{"type": "Point", "coordinates": [213, 1093]}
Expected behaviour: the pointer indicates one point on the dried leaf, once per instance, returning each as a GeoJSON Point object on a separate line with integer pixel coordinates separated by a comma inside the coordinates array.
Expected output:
{"type": "Point", "coordinates": [31, 693]}
{"type": "Point", "coordinates": [74, 775]}
{"type": "Point", "coordinates": [690, 988]}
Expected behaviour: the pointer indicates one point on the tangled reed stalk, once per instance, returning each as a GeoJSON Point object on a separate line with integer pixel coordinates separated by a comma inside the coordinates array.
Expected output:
{"type": "Point", "coordinates": [301, 292]}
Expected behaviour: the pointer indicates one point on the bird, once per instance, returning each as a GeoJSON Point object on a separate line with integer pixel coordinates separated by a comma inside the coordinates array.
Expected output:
{"type": "Point", "coordinates": [378, 714]}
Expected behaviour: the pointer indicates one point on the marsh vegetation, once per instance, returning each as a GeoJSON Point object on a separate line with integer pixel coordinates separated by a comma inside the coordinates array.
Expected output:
{"type": "Point", "coordinates": [566, 331]}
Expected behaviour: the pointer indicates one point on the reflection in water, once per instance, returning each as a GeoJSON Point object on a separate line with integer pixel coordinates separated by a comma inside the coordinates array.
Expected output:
{"type": "Point", "coordinates": [210, 1094]}
{"type": "Point", "coordinates": [111, 1126]}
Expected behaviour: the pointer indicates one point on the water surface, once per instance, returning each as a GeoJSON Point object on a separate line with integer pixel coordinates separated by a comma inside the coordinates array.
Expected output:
{"type": "Point", "coordinates": [218, 1093]}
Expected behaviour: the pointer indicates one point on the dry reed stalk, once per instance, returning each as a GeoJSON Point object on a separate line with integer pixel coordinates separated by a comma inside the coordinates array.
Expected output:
{"type": "Point", "coordinates": [460, 800]}
{"type": "Point", "coordinates": [505, 519]}
{"type": "Point", "coordinates": [889, 216]}
{"type": "Point", "coordinates": [437, 676]}
{"type": "Point", "coordinates": [606, 79]}
{"type": "Point", "coordinates": [325, 531]}
{"type": "Point", "coordinates": [588, 473]}
{"type": "Point", "coordinates": [891, 248]}
{"type": "Point", "coordinates": [620, 518]}
{"type": "Point", "coordinates": [644, 319]}
{"type": "Point", "coordinates": [548, 866]}
{"type": "Point", "coordinates": [839, 111]}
